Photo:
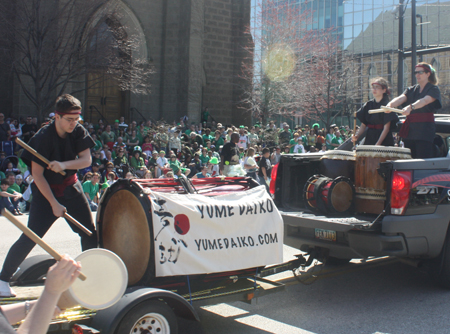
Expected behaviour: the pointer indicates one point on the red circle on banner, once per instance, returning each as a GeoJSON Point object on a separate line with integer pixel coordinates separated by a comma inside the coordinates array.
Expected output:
{"type": "Point", "coordinates": [182, 224]}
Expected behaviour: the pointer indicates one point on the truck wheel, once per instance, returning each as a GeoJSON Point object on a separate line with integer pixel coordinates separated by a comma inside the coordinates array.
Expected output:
{"type": "Point", "coordinates": [440, 267]}
{"type": "Point", "coordinates": [149, 317]}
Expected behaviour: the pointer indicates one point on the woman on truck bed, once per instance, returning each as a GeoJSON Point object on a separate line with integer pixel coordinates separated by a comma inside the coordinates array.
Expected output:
{"type": "Point", "coordinates": [379, 132]}
{"type": "Point", "coordinates": [422, 101]}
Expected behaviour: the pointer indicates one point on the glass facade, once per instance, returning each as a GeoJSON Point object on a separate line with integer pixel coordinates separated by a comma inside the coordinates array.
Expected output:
{"type": "Point", "coordinates": [368, 31]}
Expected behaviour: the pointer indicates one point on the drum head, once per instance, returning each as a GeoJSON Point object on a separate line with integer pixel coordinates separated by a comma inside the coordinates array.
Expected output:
{"type": "Point", "coordinates": [106, 279]}
{"type": "Point", "coordinates": [126, 232]}
{"type": "Point", "coordinates": [342, 196]}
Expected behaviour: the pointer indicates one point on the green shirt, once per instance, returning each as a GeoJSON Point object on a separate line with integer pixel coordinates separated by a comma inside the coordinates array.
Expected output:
{"type": "Point", "coordinates": [108, 137]}
{"type": "Point", "coordinates": [292, 142]}
{"type": "Point", "coordinates": [204, 158]}
{"type": "Point", "coordinates": [217, 142]}
{"type": "Point", "coordinates": [13, 188]}
{"type": "Point", "coordinates": [137, 164]}
{"type": "Point", "coordinates": [91, 189]}
{"type": "Point", "coordinates": [336, 140]}
{"type": "Point", "coordinates": [174, 165]}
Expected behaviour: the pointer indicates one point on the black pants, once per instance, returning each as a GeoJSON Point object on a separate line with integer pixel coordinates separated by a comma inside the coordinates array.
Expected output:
{"type": "Point", "coordinates": [41, 218]}
{"type": "Point", "coordinates": [420, 149]}
{"type": "Point", "coordinates": [6, 202]}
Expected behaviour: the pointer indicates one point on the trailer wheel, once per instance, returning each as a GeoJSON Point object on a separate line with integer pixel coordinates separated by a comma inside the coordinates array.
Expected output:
{"type": "Point", "coordinates": [149, 317]}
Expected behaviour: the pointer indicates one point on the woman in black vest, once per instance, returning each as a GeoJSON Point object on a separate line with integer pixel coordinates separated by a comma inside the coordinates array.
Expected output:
{"type": "Point", "coordinates": [422, 101]}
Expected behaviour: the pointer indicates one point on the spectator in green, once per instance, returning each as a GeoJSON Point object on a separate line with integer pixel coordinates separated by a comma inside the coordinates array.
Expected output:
{"type": "Point", "coordinates": [253, 137]}
{"type": "Point", "coordinates": [195, 138]}
{"type": "Point", "coordinates": [108, 137]}
{"type": "Point", "coordinates": [293, 142]}
{"type": "Point", "coordinates": [121, 158]}
{"type": "Point", "coordinates": [174, 163]}
{"type": "Point", "coordinates": [91, 188]}
{"type": "Point", "coordinates": [205, 115]}
{"type": "Point", "coordinates": [204, 158]}
{"type": "Point", "coordinates": [207, 136]}
{"type": "Point", "coordinates": [191, 129]}
{"type": "Point", "coordinates": [329, 137]}
{"type": "Point", "coordinates": [13, 186]}
{"type": "Point", "coordinates": [162, 139]}
{"type": "Point", "coordinates": [217, 141]}
{"type": "Point", "coordinates": [337, 140]}
{"type": "Point", "coordinates": [19, 182]}
{"type": "Point", "coordinates": [132, 141]}
{"type": "Point", "coordinates": [98, 144]}
{"type": "Point", "coordinates": [137, 162]}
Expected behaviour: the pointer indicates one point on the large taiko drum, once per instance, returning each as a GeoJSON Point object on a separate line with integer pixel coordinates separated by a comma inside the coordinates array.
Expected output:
{"type": "Point", "coordinates": [125, 227]}
{"type": "Point", "coordinates": [336, 163]}
{"type": "Point", "coordinates": [329, 196]}
{"type": "Point", "coordinates": [370, 187]}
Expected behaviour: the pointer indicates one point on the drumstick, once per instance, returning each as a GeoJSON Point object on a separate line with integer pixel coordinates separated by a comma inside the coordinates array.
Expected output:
{"type": "Point", "coordinates": [35, 238]}
{"type": "Point", "coordinates": [76, 223]}
{"type": "Point", "coordinates": [392, 109]}
{"type": "Point", "coordinates": [375, 111]}
{"type": "Point", "coordinates": [35, 153]}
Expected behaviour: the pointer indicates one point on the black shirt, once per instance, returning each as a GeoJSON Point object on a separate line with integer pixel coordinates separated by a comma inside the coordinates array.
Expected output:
{"type": "Point", "coordinates": [423, 130]}
{"type": "Point", "coordinates": [264, 162]}
{"type": "Point", "coordinates": [49, 144]}
{"type": "Point", "coordinates": [4, 128]}
{"type": "Point", "coordinates": [230, 153]}
{"type": "Point", "coordinates": [373, 135]}
{"type": "Point", "coordinates": [28, 128]}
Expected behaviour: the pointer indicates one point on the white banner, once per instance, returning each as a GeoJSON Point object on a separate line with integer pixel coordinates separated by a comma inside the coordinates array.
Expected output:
{"type": "Point", "coordinates": [195, 234]}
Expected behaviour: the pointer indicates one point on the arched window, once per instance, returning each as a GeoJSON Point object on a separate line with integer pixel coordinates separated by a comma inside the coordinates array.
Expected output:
{"type": "Point", "coordinates": [436, 64]}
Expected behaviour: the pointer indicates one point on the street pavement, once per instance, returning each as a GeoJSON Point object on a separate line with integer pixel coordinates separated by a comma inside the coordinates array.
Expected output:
{"type": "Point", "coordinates": [381, 296]}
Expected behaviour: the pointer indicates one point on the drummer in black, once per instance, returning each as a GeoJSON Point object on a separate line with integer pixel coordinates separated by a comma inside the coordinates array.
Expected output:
{"type": "Point", "coordinates": [422, 101]}
{"type": "Point", "coordinates": [378, 125]}
{"type": "Point", "coordinates": [66, 144]}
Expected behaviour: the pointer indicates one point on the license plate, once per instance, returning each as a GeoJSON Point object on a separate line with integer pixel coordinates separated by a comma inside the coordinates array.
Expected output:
{"type": "Point", "coordinates": [325, 234]}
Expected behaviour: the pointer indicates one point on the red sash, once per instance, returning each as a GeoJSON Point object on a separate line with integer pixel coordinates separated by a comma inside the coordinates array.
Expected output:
{"type": "Point", "coordinates": [415, 118]}
{"type": "Point", "coordinates": [59, 188]}
{"type": "Point", "coordinates": [375, 126]}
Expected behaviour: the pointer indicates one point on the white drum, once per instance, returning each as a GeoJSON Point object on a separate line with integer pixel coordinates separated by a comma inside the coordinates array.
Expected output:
{"type": "Point", "coordinates": [106, 281]}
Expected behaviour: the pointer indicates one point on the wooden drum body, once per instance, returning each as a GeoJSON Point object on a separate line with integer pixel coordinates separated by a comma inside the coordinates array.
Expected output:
{"type": "Point", "coordinates": [329, 196]}
{"type": "Point", "coordinates": [370, 187]}
{"type": "Point", "coordinates": [338, 163]}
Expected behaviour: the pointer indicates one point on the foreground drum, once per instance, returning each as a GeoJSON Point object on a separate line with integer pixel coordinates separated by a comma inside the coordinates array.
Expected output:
{"type": "Point", "coordinates": [370, 187]}
{"type": "Point", "coordinates": [329, 196]}
{"type": "Point", "coordinates": [335, 163]}
{"type": "Point", "coordinates": [126, 229]}
{"type": "Point", "coordinates": [106, 281]}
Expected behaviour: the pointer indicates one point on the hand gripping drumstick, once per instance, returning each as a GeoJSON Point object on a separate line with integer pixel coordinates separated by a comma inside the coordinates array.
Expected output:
{"type": "Point", "coordinates": [33, 236]}
{"type": "Point", "coordinates": [66, 215]}
{"type": "Point", "coordinates": [35, 153]}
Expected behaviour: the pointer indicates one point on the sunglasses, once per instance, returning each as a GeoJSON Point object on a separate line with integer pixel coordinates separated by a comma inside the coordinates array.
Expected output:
{"type": "Point", "coordinates": [419, 72]}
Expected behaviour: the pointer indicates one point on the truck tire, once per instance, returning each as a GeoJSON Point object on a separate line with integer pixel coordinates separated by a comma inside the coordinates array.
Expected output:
{"type": "Point", "coordinates": [440, 267]}
{"type": "Point", "coordinates": [149, 317]}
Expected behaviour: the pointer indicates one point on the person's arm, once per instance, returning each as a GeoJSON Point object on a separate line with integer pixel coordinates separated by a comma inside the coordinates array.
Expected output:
{"type": "Point", "coordinates": [59, 278]}
{"type": "Point", "coordinates": [84, 160]}
{"type": "Point", "coordinates": [418, 104]}
{"type": "Point", "coordinates": [395, 102]}
{"type": "Point", "coordinates": [383, 135]}
{"type": "Point", "coordinates": [361, 130]}
{"type": "Point", "coordinates": [44, 188]}
{"type": "Point", "coordinates": [221, 164]}
{"type": "Point", "coordinates": [6, 194]}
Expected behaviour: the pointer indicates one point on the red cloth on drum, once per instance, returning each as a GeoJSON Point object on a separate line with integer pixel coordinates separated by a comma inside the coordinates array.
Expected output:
{"type": "Point", "coordinates": [415, 118]}
{"type": "Point", "coordinates": [59, 188]}
{"type": "Point", "coordinates": [375, 126]}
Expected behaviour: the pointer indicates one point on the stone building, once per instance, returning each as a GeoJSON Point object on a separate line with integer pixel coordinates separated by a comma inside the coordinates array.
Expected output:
{"type": "Point", "coordinates": [193, 46]}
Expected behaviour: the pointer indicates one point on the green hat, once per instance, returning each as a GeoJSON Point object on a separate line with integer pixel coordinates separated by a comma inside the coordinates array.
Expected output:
{"type": "Point", "coordinates": [316, 124]}
{"type": "Point", "coordinates": [137, 149]}
{"type": "Point", "coordinates": [241, 127]}
{"type": "Point", "coordinates": [257, 125]}
{"type": "Point", "coordinates": [105, 185]}
{"type": "Point", "coordinates": [214, 161]}
{"type": "Point", "coordinates": [116, 121]}
{"type": "Point", "coordinates": [162, 152]}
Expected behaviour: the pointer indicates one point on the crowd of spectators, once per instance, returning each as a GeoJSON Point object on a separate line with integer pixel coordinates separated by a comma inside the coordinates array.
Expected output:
{"type": "Point", "coordinates": [150, 149]}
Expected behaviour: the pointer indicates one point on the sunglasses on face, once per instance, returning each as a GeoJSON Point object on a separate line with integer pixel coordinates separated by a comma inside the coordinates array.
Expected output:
{"type": "Point", "coordinates": [419, 72]}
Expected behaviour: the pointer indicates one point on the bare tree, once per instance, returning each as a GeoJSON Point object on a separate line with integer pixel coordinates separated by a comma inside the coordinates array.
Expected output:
{"type": "Point", "coordinates": [49, 44]}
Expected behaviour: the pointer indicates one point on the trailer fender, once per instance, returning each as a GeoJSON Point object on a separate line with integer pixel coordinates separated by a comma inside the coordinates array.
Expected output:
{"type": "Point", "coordinates": [32, 270]}
{"type": "Point", "coordinates": [107, 320]}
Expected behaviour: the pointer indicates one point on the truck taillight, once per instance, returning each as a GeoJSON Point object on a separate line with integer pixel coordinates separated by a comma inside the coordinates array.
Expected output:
{"type": "Point", "coordinates": [400, 190]}
{"type": "Point", "coordinates": [273, 179]}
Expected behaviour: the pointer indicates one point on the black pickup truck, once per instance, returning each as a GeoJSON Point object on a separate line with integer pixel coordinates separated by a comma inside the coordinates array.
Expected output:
{"type": "Point", "coordinates": [413, 224]}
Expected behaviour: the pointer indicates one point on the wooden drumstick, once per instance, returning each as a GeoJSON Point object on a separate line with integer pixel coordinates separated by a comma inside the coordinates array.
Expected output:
{"type": "Point", "coordinates": [35, 153]}
{"type": "Point", "coordinates": [33, 236]}
{"type": "Point", "coordinates": [76, 223]}
{"type": "Point", "coordinates": [376, 111]}
{"type": "Point", "coordinates": [392, 109]}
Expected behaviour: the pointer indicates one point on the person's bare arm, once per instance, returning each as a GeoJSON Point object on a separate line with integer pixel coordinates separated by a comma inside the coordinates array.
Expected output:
{"type": "Point", "coordinates": [418, 104]}
{"type": "Point", "coordinates": [395, 102]}
{"type": "Point", "coordinates": [84, 160]}
{"type": "Point", "coordinates": [361, 130]}
{"type": "Point", "coordinates": [44, 188]}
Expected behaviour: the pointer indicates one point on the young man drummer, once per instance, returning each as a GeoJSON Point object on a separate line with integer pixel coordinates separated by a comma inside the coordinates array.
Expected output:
{"type": "Point", "coordinates": [66, 144]}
